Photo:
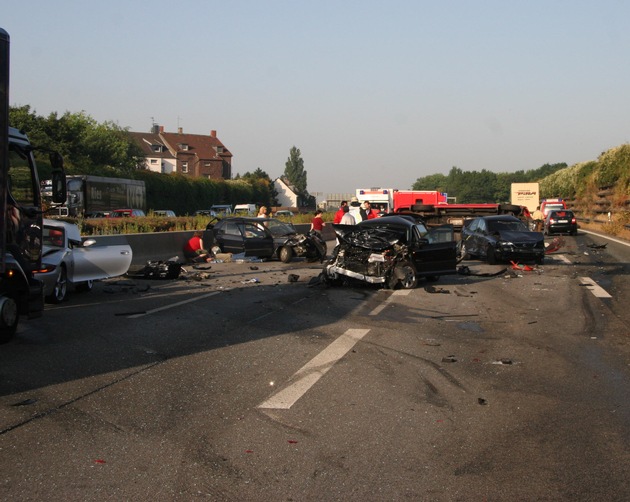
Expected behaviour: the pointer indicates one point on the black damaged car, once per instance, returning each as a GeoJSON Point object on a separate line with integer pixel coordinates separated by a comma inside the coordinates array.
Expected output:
{"type": "Point", "coordinates": [263, 238]}
{"type": "Point", "coordinates": [392, 251]}
{"type": "Point", "coordinates": [501, 238]}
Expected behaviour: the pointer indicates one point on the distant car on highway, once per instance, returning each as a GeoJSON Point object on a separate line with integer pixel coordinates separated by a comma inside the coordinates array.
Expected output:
{"type": "Point", "coordinates": [126, 213]}
{"type": "Point", "coordinates": [67, 261]}
{"type": "Point", "coordinates": [561, 221]}
{"type": "Point", "coordinates": [165, 213]}
{"type": "Point", "coordinates": [501, 238]}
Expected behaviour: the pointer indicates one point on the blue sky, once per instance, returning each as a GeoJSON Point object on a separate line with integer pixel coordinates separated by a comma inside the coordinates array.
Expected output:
{"type": "Point", "coordinates": [372, 93]}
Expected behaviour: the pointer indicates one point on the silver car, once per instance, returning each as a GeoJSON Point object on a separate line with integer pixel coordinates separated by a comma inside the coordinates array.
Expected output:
{"type": "Point", "coordinates": [69, 261]}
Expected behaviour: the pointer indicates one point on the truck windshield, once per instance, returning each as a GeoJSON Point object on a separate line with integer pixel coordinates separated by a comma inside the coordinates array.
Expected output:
{"type": "Point", "coordinates": [21, 182]}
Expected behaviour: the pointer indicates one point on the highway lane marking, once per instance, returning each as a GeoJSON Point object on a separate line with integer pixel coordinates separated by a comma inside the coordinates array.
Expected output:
{"type": "Point", "coordinates": [563, 258]}
{"type": "Point", "coordinates": [390, 298]}
{"type": "Point", "coordinates": [594, 288]}
{"type": "Point", "coordinates": [606, 237]}
{"type": "Point", "coordinates": [311, 372]}
{"type": "Point", "coordinates": [173, 305]}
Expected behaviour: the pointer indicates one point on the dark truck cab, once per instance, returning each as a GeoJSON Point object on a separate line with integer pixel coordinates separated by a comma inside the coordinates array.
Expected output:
{"type": "Point", "coordinates": [20, 214]}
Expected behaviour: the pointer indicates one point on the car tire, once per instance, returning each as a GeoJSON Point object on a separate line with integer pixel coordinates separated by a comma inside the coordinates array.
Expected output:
{"type": "Point", "coordinates": [85, 286]}
{"type": "Point", "coordinates": [491, 256]}
{"type": "Point", "coordinates": [406, 275]}
{"type": "Point", "coordinates": [285, 254]}
{"type": "Point", "coordinates": [61, 287]}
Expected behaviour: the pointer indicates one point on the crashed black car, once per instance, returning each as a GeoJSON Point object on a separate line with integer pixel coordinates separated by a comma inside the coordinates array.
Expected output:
{"type": "Point", "coordinates": [393, 251]}
{"type": "Point", "coordinates": [263, 238]}
{"type": "Point", "coordinates": [501, 238]}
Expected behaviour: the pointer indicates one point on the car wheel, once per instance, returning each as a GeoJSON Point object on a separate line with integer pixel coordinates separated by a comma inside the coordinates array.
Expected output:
{"type": "Point", "coordinates": [61, 287]}
{"type": "Point", "coordinates": [9, 317]}
{"type": "Point", "coordinates": [491, 256]}
{"type": "Point", "coordinates": [285, 254]}
{"type": "Point", "coordinates": [406, 274]}
{"type": "Point", "coordinates": [85, 286]}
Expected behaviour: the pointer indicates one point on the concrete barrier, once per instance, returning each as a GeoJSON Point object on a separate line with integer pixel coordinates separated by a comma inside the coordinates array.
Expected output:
{"type": "Point", "coordinates": [165, 245]}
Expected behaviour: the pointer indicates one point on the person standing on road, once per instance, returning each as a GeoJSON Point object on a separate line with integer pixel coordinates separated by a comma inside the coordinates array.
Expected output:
{"type": "Point", "coordinates": [538, 218]}
{"type": "Point", "coordinates": [317, 223]}
{"type": "Point", "coordinates": [347, 218]}
{"type": "Point", "coordinates": [340, 212]}
{"type": "Point", "coordinates": [367, 213]}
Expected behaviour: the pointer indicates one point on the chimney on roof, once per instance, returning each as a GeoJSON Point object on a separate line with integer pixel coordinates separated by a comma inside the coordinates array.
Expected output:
{"type": "Point", "coordinates": [161, 129]}
{"type": "Point", "coordinates": [154, 128]}
{"type": "Point", "coordinates": [213, 133]}
{"type": "Point", "coordinates": [180, 130]}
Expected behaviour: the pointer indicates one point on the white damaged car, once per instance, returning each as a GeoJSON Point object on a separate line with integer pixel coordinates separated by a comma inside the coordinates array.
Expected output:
{"type": "Point", "coordinates": [69, 262]}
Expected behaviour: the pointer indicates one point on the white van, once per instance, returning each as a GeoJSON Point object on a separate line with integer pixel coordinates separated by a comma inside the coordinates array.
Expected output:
{"type": "Point", "coordinates": [245, 210]}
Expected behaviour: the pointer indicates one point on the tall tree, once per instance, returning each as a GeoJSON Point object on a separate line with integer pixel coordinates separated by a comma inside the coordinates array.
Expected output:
{"type": "Point", "coordinates": [295, 173]}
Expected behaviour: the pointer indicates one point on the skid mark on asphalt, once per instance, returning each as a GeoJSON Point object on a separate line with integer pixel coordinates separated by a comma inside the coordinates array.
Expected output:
{"type": "Point", "coordinates": [312, 371]}
{"type": "Point", "coordinates": [390, 298]}
{"type": "Point", "coordinates": [594, 288]}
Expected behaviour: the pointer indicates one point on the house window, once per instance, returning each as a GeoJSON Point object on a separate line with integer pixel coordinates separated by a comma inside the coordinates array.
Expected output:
{"type": "Point", "coordinates": [184, 167]}
{"type": "Point", "coordinates": [183, 146]}
{"type": "Point", "coordinates": [154, 161]}
{"type": "Point", "coordinates": [219, 149]}
{"type": "Point", "coordinates": [156, 148]}
{"type": "Point", "coordinates": [207, 163]}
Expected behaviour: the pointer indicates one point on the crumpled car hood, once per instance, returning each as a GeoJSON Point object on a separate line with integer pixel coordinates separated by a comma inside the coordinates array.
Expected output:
{"type": "Point", "coordinates": [376, 239]}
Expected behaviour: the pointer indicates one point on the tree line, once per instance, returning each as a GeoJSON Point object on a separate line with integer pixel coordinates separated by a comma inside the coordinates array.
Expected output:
{"type": "Point", "coordinates": [470, 187]}
{"type": "Point", "coordinates": [106, 149]}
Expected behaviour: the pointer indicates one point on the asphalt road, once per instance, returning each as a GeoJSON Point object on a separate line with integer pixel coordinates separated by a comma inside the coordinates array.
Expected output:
{"type": "Point", "coordinates": [242, 383]}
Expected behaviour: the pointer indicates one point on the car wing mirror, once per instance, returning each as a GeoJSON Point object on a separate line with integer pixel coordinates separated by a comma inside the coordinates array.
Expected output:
{"type": "Point", "coordinates": [89, 242]}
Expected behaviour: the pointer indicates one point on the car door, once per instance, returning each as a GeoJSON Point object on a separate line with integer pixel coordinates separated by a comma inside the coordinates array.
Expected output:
{"type": "Point", "coordinates": [434, 252]}
{"type": "Point", "coordinates": [470, 236]}
{"type": "Point", "coordinates": [91, 263]}
{"type": "Point", "coordinates": [229, 237]}
{"type": "Point", "coordinates": [258, 241]}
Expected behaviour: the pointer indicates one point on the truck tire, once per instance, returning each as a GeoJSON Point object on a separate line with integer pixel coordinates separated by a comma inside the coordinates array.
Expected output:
{"type": "Point", "coordinates": [9, 317]}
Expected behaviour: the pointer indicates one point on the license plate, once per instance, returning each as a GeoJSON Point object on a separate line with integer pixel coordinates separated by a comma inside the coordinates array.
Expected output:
{"type": "Point", "coordinates": [563, 221]}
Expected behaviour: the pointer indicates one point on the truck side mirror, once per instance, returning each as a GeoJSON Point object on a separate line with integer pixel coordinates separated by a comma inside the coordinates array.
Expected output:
{"type": "Point", "coordinates": [59, 190]}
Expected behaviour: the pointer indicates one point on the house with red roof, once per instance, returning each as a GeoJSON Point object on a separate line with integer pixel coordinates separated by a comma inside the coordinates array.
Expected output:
{"type": "Point", "coordinates": [195, 155]}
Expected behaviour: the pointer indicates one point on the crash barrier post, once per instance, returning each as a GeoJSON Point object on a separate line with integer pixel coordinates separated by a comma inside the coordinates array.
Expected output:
{"type": "Point", "coordinates": [166, 245]}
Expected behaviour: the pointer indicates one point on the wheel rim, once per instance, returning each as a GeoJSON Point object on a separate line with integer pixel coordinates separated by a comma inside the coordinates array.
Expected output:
{"type": "Point", "coordinates": [61, 286]}
{"type": "Point", "coordinates": [409, 277]}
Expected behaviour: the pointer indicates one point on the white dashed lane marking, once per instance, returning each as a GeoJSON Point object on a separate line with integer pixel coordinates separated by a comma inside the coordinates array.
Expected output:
{"type": "Point", "coordinates": [312, 371]}
{"type": "Point", "coordinates": [391, 298]}
{"type": "Point", "coordinates": [594, 288]}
